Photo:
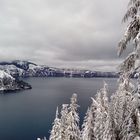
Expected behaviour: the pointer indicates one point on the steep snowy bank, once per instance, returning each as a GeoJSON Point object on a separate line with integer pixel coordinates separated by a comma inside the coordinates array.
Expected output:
{"type": "Point", "coordinates": [8, 83]}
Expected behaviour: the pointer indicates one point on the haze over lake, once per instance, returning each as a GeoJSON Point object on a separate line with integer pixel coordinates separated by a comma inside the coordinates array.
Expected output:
{"type": "Point", "coordinates": [29, 114]}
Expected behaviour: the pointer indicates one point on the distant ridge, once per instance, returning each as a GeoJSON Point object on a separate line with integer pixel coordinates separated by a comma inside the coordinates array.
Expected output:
{"type": "Point", "coordinates": [19, 68]}
{"type": "Point", "coordinates": [18, 63]}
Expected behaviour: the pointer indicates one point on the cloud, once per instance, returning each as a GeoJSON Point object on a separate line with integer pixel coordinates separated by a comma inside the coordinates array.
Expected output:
{"type": "Point", "coordinates": [71, 33]}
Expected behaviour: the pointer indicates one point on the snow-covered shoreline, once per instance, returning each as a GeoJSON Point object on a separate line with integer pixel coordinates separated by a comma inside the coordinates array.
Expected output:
{"type": "Point", "coordinates": [9, 83]}
{"type": "Point", "coordinates": [28, 69]}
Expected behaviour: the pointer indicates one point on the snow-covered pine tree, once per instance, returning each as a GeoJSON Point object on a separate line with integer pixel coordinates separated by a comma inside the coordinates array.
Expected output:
{"type": "Point", "coordinates": [87, 127]}
{"type": "Point", "coordinates": [73, 131]}
{"type": "Point", "coordinates": [63, 121]}
{"type": "Point", "coordinates": [130, 66]}
{"type": "Point", "coordinates": [97, 123]}
{"type": "Point", "coordinates": [89, 122]}
{"type": "Point", "coordinates": [108, 133]}
{"type": "Point", "coordinates": [121, 113]}
{"type": "Point", "coordinates": [55, 132]}
{"type": "Point", "coordinates": [102, 97]}
{"type": "Point", "coordinates": [132, 33]}
{"type": "Point", "coordinates": [102, 125]}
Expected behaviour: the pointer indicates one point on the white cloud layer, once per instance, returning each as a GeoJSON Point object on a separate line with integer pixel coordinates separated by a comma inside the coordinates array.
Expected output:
{"type": "Point", "coordinates": [72, 33]}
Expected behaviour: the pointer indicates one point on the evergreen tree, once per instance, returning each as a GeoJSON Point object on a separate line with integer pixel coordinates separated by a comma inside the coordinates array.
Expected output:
{"type": "Point", "coordinates": [130, 125]}
{"type": "Point", "coordinates": [55, 132]}
{"type": "Point", "coordinates": [101, 128]}
{"type": "Point", "coordinates": [89, 122]}
{"type": "Point", "coordinates": [102, 97]}
{"type": "Point", "coordinates": [72, 131]}
{"type": "Point", "coordinates": [87, 127]}
{"type": "Point", "coordinates": [121, 107]}
{"type": "Point", "coordinates": [132, 34]}
{"type": "Point", "coordinates": [63, 121]}
{"type": "Point", "coordinates": [97, 123]}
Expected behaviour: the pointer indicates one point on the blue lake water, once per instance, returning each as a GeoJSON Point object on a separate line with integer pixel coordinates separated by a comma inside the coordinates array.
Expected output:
{"type": "Point", "coordinates": [28, 114]}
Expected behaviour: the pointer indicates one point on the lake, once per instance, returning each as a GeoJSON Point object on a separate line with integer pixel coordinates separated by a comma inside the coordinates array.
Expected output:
{"type": "Point", "coordinates": [29, 114]}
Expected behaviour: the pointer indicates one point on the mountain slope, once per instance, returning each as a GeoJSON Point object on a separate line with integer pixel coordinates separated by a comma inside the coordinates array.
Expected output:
{"type": "Point", "coordinates": [28, 69]}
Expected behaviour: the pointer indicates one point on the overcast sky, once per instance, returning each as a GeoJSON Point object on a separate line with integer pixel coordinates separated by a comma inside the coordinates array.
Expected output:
{"type": "Point", "coordinates": [62, 33]}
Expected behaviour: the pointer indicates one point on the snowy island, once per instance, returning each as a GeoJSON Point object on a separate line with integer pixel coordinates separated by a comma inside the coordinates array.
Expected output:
{"type": "Point", "coordinates": [8, 83]}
